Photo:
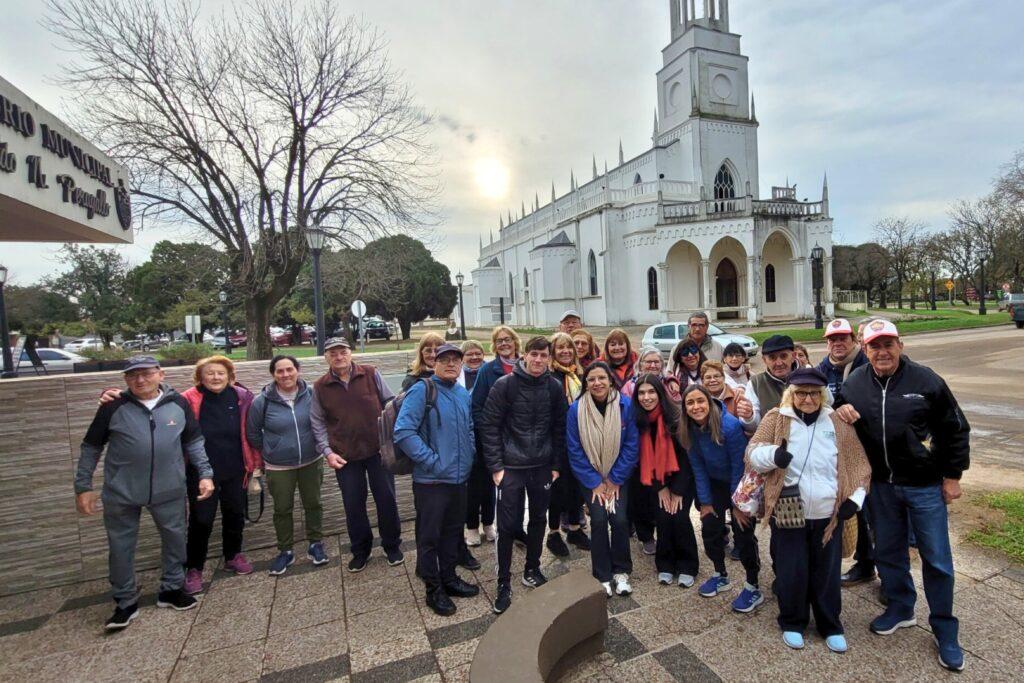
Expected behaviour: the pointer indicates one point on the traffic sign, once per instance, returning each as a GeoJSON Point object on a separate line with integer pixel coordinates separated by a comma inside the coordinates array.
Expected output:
{"type": "Point", "coordinates": [949, 285]}
{"type": "Point", "coordinates": [358, 308]}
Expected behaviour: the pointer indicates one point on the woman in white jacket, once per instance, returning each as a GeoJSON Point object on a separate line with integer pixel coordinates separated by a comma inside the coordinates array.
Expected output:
{"type": "Point", "coordinates": [816, 477]}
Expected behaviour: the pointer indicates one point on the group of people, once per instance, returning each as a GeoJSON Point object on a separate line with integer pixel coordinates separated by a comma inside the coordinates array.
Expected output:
{"type": "Point", "coordinates": [563, 435]}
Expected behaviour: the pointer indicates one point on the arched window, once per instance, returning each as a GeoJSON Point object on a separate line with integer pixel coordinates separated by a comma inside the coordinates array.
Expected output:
{"type": "Point", "coordinates": [526, 279]}
{"type": "Point", "coordinates": [725, 188]}
{"type": "Point", "coordinates": [592, 266]}
{"type": "Point", "coordinates": [769, 284]}
{"type": "Point", "coordinates": [511, 290]}
{"type": "Point", "coordinates": [637, 179]}
{"type": "Point", "coordinates": [652, 289]}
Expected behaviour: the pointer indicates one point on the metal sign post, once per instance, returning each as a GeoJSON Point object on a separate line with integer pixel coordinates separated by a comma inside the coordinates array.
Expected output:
{"type": "Point", "coordinates": [359, 311]}
{"type": "Point", "coordinates": [193, 327]}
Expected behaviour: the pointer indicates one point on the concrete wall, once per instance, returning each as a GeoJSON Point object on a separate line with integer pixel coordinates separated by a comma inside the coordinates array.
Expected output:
{"type": "Point", "coordinates": [43, 540]}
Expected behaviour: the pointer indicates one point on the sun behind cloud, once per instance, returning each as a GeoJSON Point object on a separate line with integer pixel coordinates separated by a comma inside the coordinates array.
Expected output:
{"type": "Point", "coordinates": [491, 177]}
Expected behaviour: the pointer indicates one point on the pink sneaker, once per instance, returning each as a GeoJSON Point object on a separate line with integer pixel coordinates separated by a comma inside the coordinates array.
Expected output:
{"type": "Point", "coordinates": [193, 582]}
{"type": "Point", "coordinates": [238, 564]}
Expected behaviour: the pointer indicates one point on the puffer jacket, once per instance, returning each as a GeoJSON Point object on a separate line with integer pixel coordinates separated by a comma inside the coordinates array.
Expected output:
{"type": "Point", "coordinates": [441, 444]}
{"type": "Point", "coordinates": [251, 456]}
{"type": "Point", "coordinates": [523, 423]}
{"type": "Point", "coordinates": [282, 433]}
{"type": "Point", "coordinates": [629, 447]}
{"type": "Point", "coordinates": [720, 462]}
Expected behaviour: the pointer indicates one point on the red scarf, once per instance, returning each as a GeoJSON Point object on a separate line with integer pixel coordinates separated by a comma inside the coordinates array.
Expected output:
{"type": "Point", "coordinates": [624, 370]}
{"type": "Point", "coordinates": [657, 455]}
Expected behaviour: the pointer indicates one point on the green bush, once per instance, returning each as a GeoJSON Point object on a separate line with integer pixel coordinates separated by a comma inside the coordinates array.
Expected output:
{"type": "Point", "coordinates": [104, 354]}
{"type": "Point", "coordinates": [187, 352]}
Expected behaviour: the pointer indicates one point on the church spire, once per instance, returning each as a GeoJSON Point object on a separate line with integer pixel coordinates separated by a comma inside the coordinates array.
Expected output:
{"type": "Point", "coordinates": [552, 191]}
{"type": "Point", "coordinates": [481, 242]}
{"type": "Point", "coordinates": [572, 181]}
{"type": "Point", "coordinates": [510, 217]}
{"type": "Point", "coordinates": [594, 161]}
{"type": "Point", "coordinates": [654, 135]}
{"type": "Point", "coordinates": [522, 207]}
{"type": "Point", "coordinates": [824, 188]}
{"type": "Point", "coordinates": [622, 159]}
{"type": "Point", "coordinates": [606, 167]}
{"type": "Point", "coordinates": [501, 223]}
{"type": "Point", "coordinates": [536, 200]}
{"type": "Point", "coordinates": [753, 114]}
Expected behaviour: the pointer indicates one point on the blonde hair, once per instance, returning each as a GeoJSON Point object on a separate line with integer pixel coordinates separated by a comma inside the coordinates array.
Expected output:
{"type": "Point", "coordinates": [712, 365]}
{"type": "Point", "coordinates": [428, 339]}
{"type": "Point", "coordinates": [197, 374]}
{"type": "Point", "coordinates": [787, 396]}
{"type": "Point", "coordinates": [562, 338]}
{"type": "Point", "coordinates": [516, 342]}
{"type": "Point", "coordinates": [595, 350]}
{"type": "Point", "coordinates": [472, 344]}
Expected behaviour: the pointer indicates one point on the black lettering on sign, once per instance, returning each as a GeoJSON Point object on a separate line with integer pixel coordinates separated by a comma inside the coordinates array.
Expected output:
{"type": "Point", "coordinates": [35, 171]}
{"type": "Point", "coordinates": [92, 203]}
{"type": "Point", "coordinates": [13, 116]}
{"type": "Point", "coordinates": [8, 162]}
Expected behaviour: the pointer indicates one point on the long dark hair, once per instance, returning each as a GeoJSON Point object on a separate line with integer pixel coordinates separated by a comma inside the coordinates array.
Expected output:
{"type": "Point", "coordinates": [714, 423]}
{"type": "Point", "coordinates": [669, 411]}
{"type": "Point", "coordinates": [678, 367]}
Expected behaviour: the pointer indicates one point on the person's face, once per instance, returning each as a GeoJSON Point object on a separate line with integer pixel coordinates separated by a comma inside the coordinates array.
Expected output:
{"type": "Point", "coordinates": [691, 358]}
{"type": "Point", "coordinates": [571, 324]}
{"type": "Point", "coordinates": [801, 357]}
{"type": "Point", "coordinates": [582, 346]}
{"type": "Point", "coordinates": [839, 346]}
{"type": "Point", "coordinates": [427, 355]}
{"type": "Point", "coordinates": [537, 361]}
{"type": "Point", "coordinates": [714, 381]}
{"type": "Point", "coordinates": [448, 366]}
{"type": "Point", "coordinates": [598, 384]}
{"type": "Point", "coordinates": [735, 360]}
{"type": "Point", "coordinates": [697, 407]}
{"type": "Point", "coordinates": [806, 398]}
{"type": "Point", "coordinates": [565, 353]}
{"type": "Point", "coordinates": [286, 375]}
{"type": "Point", "coordinates": [145, 382]}
{"type": "Point", "coordinates": [884, 354]}
{"type": "Point", "coordinates": [214, 377]}
{"type": "Point", "coordinates": [616, 349]}
{"type": "Point", "coordinates": [698, 329]}
{"type": "Point", "coordinates": [779, 363]}
{"type": "Point", "coordinates": [473, 358]}
{"type": "Point", "coordinates": [652, 363]}
{"type": "Point", "coordinates": [339, 358]}
{"type": "Point", "coordinates": [647, 397]}
{"type": "Point", "coordinates": [504, 345]}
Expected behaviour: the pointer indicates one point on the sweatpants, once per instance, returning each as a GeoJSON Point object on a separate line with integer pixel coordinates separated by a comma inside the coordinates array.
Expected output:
{"type": "Point", "coordinates": [352, 480]}
{"type": "Point", "coordinates": [440, 510]}
{"type": "Point", "coordinates": [711, 532]}
{"type": "Point", "coordinates": [566, 502]}
{"type": "Point", "coordinates": [534, 482]}
{"type": "Point", "coordinates": [808, 577]}
{"type": "Point", "coordinates": [676, 546]}
{"type": "Point", "coordinates": [229, 495]}
{"type": "Point", "coordinates": [643, 508]}
{"type": "Point", "coordinates": [122, 523]}
{"type": "Point", "coordinates": [282, 484]}
{"type": "Point", "coordinates": [479, 497]}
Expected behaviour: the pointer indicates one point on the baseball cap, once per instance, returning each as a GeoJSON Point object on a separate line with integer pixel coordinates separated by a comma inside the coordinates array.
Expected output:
{"type": "Point", "coordinates": [570, 314]}
{"type": "Point", "coordinates": [447, 348]}
{"type": "Point", "coordinates": [807, 377]}
{"type": "Point", "coordinates": [141, 363]}
{"type": "Point", "coordinates": [879, 328]}
{"type": "Point", "coordinates": [839, 326]}
{"type": "Point", "coordinates": [335, 342]}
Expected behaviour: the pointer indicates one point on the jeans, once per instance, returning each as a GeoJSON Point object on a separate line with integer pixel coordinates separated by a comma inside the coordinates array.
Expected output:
{"type": "Point", "coordinates": [229, 495]}
{"type": "Point", "coordinates": [808, 577]}
{"type": "Point", "coordinates": [893, 509]}
{"type": "Point", "coordinates": [440, 510]}
{"type": "Point", "coordinates": [352, 480]}
{"type": "Point", "coordinates": [711, 530]}
{"type": "Point", "coordinates": [282, 485]}
{"type": "Point", "coordinates": [609, 536]}
{"type": "Point", "coordinates": [516, 484]}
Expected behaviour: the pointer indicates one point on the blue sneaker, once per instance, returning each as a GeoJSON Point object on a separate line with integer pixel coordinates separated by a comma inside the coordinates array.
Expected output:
{"type": "Point", "coordinates": [950, 655]}
{"type": "Point", "coordinates": [317, 554]}
{"type": "Point", "coordinates": [837, 643]}
{"type": "Point", "coordinates": [889, 623]}
{"type": "Point", "coordinates": [747, 600]}
{"type": "Point", "coordinates": [284, 559]}
{"type": "Point", "coordinates": [793, 639]}
{"type": "Point", "coordinates": [714, 586]}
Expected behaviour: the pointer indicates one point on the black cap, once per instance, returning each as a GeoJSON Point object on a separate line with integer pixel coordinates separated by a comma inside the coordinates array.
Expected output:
{"type": "Point", "coordinates": [448, 348]}
{"type": "Point", "coordinates": [732, 348]}
{"type": "Point", "coordinates": [141, 363]}
{"type": "Point", "coordinates": [777, 342]}
{"type": "Point", "coordinates": [807, 377]}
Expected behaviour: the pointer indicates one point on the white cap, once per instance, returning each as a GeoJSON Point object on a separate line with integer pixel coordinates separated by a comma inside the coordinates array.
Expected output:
{"type": "Point", "coordinates": [570, 314]}
{"type": "Point", "coordinates": [879, 328]}
{"type": "Point", "coordinates": [838, 326]}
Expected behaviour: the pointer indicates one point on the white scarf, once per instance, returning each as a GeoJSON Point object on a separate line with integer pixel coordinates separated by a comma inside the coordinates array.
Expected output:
{"type": "Point", "coordinates": [600, 435]}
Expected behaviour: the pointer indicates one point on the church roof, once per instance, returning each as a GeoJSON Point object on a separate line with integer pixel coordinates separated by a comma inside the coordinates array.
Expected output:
{"type": "Point", "coordinates": [493, 263]}
{"type": "Point", "coordinates": [559, 240]}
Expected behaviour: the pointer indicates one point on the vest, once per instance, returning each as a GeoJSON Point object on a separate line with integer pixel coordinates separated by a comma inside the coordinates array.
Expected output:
{"type": "Point", "coordinates": [351, 412]}
{"type": "Point", "coordinates": [768, 390]}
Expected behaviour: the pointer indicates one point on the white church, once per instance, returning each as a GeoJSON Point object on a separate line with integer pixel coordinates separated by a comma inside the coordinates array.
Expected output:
{"type": "Point", "coordinates": [677, 229]}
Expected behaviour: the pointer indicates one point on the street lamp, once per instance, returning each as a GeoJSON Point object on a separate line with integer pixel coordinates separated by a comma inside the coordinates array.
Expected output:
{"type": "Point", "coordinates": [981, 294]}
{"type": "Point", "coordinates": [315, 238]}
{"type": "Point", "coordinates": [818, 281]}
{"type": "Point", "coordinates": [5, 335]}
{"type": "Point", "coordinates": [460, 278]}
{"type": "Point", "coordinates": [223, 296]}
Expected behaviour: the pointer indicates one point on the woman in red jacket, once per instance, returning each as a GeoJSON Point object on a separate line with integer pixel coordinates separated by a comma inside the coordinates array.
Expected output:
{"type": "Point", "coordinates": [620, 356]}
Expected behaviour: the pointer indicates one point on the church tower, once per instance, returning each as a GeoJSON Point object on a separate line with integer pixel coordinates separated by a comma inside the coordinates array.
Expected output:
{"type": "Point", "coordinates": [704, 101]}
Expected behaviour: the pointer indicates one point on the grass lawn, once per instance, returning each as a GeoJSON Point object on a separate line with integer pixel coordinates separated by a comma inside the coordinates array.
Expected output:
{"type": "Point", "coordinates": [308, 350]}
{"type": "Point", "coordinates": [1006, 535]}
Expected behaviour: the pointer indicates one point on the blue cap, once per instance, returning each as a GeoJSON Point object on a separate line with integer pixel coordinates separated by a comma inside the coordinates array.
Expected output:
{"type": "Point", "coordinates": [141, 363]}
{"type": "Point", "coordinates": [807, 377]}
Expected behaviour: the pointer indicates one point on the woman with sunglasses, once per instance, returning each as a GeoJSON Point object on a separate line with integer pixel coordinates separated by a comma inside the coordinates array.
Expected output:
{"type": "Point", "coordinates": [687, 358]}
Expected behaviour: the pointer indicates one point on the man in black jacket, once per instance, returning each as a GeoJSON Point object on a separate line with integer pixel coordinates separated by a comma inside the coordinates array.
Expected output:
{"type": "Point", "coordinates": [918, 442]}
{"type": "Point", "coordinates": [522, 432]}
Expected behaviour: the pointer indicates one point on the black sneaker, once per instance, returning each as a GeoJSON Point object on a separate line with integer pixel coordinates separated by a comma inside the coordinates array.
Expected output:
{"type": "Point", "coordinates": [578, 538]}
{"type": "Point", "coordinates": [457, 588]}
{"type": "Point", "coordinates": [556, 545]}
{"type": "Point", "coordinates": [395, 557]}
{"type": "Point", "coordinates": [532, 578]}
{"type": "Point", "coordinates": [857, 574]}
{"type": "Point", "coordinates": [177, 599]}
{"type": "Point", "coordinates": [357, 563]}
{"type": "Point", "coordinates": [439, 601]}
{"type": "Point", "coordinates": [467, 561]}
{"type": "Point", "coordinates": [122, 617]}
{"type": "Point", "coordinates": [504, 599]}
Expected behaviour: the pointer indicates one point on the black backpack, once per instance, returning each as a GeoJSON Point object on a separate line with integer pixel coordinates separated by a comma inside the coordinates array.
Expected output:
{"type": "Point", "coordinates": [391, 455]}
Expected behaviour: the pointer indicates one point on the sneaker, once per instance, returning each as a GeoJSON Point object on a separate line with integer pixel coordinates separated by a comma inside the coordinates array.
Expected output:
{"type": "Point", "coordinates": [837, 643]}
{"type": "Point", "coordinates": [793, 639]}
{"type": "Point", "coordinates": [650, 547]}
{"type": "Point", "coordinates": [284, 559]}
{"type": "Point", "coordinates": [317, 554]}
{"type": "Point", "coordinates": [622, 586]}
{"type": "Point", "coordinates": [504, 599]}
{"type": "Point", "coordinates": [472, 537]}
{"type": "Point", "coordinates": [950, 655]}
{"type": "Point", "coordinates": [533, 578]}
{"type": "Point", "coordinates": [358, 563]}
{"type": "Point", "coordinates": [490, 533]}
{"type": "Point", "coordinates": [665, 579]}
{"type": "Point", "coordinates": [734, 554]}
{"type": "Point", "coordinates": [467, 561]}
{"type": "Point", "coordinates": [175, 599]}
{"type": "Point", "coordinates": [122, 617]}
{"type": "Point", "coordinates": [686, 581]}
{"type": "Point", "coordinates": [457, 588]}
{"type": "Point", "coordinates": [747, 600]}
{"type": "Point", "coordinates": [607, 585]}
{"type": "Point", "coordinates": [857, 574]}
{"type": "Point", "coordinates": [395, 557]}
{"type": "Point", "coordinates": [439, 602]}
{"type": "Point", "coordinates": [193, 582]}
{"type": "Point", "coordinates": [889, 623]}
{"type": "Point", "coordinates": [713, 586]}
{"type": "Point", "coordinates": [556, 545]}
{"type": "Point", "coordinates": [239, 565]}
{"type": "Point", "coordinates": [578, 538]}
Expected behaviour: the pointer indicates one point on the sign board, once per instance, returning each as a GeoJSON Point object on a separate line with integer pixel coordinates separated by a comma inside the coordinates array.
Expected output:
{"type": "Point", "coordinates": [358, 308]}
{"type": "Point", "coordinates": [972, 294]}
{"type": "Point", "coordinates": [56, 186]}
{"type": "Point", "coordinates": [949, 285]}
{"type": "Point", "coordinates": [192, 325]}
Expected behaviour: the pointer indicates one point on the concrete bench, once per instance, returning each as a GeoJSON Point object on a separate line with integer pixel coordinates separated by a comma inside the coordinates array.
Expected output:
{"type": "Point", "coordinates": [544, 633]}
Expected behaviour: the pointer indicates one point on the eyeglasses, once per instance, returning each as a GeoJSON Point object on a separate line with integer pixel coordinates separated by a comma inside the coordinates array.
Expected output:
{"type": "Point", "coordinates": [503, 340]}
{"type": "Point", "coordinates": [449, 359]}
{"type": "Point", "coordinates": [806, 395]}
{"type": "Point", "coordinates": [712, 376]}
{"type": "Point", "coordinates": [137, 375]}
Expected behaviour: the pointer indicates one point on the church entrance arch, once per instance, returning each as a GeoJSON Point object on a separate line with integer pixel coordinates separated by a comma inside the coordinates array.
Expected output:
{"type": "Point", "coordinates": [729, 269]}
{"type": "Point", "coordinates": [778, 292]}
{"type": "Point", "coordinates": [726, 288]}
{"type": "Point", "coordinates": [683, 279]}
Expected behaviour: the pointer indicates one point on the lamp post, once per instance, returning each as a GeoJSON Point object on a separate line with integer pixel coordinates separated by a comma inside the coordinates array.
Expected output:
{"type": "Point", "coordinates": [817, 279]}
{"type": "Point", "coordinates": [981, 292]}
{"type": "Point", "coordinates": [223, 296]}
{"type": "Point", "coordinates": [5, 335]}
{"type": "Point", "coordinates": [460, 278]}
{"type": "Point", "coordinates": [315, 238]}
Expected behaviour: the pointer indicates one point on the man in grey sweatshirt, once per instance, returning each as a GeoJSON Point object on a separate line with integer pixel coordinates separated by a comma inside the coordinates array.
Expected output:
{"type": "Point", "coordinates": [147, 433]}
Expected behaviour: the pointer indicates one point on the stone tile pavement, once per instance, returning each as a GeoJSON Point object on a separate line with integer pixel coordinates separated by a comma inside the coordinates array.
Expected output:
{"type": "Point", "coordinates": [325, 624]}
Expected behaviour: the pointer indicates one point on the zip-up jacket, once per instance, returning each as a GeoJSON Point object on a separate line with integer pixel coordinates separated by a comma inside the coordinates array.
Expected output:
{"type": "Point", "coordinates": [282, 433]}
{"type": "Point", "coordinates": [629, 447]}
{"type": "Point", "coordinates": [721, 462]}
{"type": "Point", "coordinates": [145, 450]}
{"type": "Point", "coordinates": [440, 444]}
{"type": "Point", "coordinates": [489, 373]}
{"type": "Point", "coordinates": [910, 424]}
{"type": "Point", "coordinates": [523, 422]}
{"type": "Point", "coordinates": [250, 456]}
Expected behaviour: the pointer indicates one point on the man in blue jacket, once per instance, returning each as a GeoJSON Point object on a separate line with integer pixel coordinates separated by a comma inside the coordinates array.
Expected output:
{"type": "Point", "coordinates": [441, 446]}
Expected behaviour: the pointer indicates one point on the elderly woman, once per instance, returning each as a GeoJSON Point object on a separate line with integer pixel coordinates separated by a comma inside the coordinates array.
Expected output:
{"type": "Point", "coordinates": [587, 350]}
{"type": "Point", "coordinates": [472, 361]}
{"type": "Point", "coordinates": [601, 438]}
{"type": "Point", "coordinates": [649, 361]}
{"type": "Point", "coordinates": [712, 376]}
{"type": "Point", "coordinates": [687, 359]}
{"type": "Point", "coordinates": [422, 365]}
{"type": "Point", "coordinates": [619, 355]}
{"type": "Point", "coordinates": [816, 478]}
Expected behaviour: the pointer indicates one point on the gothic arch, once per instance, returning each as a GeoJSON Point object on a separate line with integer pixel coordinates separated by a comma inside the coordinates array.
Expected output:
{"type": "Point", "coordinates": [637, 179]}
{"type": "Point", "coordinates": [726, 182]}
{"type": "Point", "coordinates": [511, 289]}
{"type": "Point", "coordinates": [652, 289]}
{"type": "Point", "coordinates": [592, 273]}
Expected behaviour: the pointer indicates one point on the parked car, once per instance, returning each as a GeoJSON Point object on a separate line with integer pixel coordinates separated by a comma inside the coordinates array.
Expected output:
{"type": "Point", "coordinates": [665, 336]}
{"type": "Point", "coordinates": [143, 342]}
{"type": "Point", "coordinates": [54, 360]}
{"type": "Point", "coordinates": [238, 338]}
{"type": "Point", "coordinates": [280, 336]}
{"type": "Point", "coordinates": [86, 343]}
{"type": "Point", "coordinates": [1010, 300]}
{"type": "Point", "coordinates": [377, 329]}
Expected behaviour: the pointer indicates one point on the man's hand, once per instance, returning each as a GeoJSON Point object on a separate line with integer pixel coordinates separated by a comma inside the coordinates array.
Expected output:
{"type": "Point", "coordinates": [706, 510]}
{"type": "Point", "coordinates": [744, 409]}
{"type": "Point", "coordinates": [335, 461]}
{"type": "Point", "coordinates": [87, 503]}
{"type": "Point", "coordinates": [109, 395]}
{"type": "Point", "coordinates": [205, 489]}
{"type": "Point", "coordinates": [554, 476]}
{"type": "Point", "coordinates": [951, 490]}
{"type": "Point", "coordinates": [497, 477]}
{"type": "Point", "coordinates": [847, 413]}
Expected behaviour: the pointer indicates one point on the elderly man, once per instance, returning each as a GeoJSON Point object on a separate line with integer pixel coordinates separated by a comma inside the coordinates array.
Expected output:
{"type": "Point", "coordinates": [145, 432]}
{"type": "Point", "coordinates": [765, 390]}
{"type": "Point", "coordinates": [699, 324]}
{"type": "Point", "coordinates": [918, 442]}
{"type": "Point", "coordinates": [570, 322]}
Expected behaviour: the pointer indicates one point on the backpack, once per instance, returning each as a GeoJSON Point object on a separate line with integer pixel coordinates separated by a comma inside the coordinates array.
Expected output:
{"type": "Point", "coordinates": [391, 455]}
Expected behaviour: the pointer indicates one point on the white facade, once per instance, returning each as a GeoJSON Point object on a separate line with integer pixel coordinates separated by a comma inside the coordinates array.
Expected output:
{"type": "Point", "coordinates": [675, 230]}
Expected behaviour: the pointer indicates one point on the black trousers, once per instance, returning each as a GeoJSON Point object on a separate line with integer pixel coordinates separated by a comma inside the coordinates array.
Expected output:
{"type": "Point", "coordinates": [440, 510]}
{"type": "Point", "coordinates": [534, 482]}
{"type": "Point", "coordinates": [643, 508]}
{"type": "Point", "coordinates": [566, 501]}
{"type": "Point", "coordinates": [865, 554]}
{"type": "Point", "coordinates": [479, 497]}
{"type": "Point", "coordinates": [711, 532]}
{"type": "Point", "coordinates": [808, 577]}
{"type": "Point", "coordinates": [676, 548]}
{"type": "Point", "coordinates": [609, 537]}
{"type": "Point", "coordinates": [352, 480]}
{"type": "Point", "coordinates": [229, 495]}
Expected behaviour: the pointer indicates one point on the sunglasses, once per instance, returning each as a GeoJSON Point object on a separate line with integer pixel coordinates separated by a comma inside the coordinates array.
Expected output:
{"type": "Point", "coordinates": [690, 351]}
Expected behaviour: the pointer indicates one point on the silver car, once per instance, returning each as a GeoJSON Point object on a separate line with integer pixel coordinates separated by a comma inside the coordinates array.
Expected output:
{"type": "Point", "coordinates": [54, 360]}
{"type": "Point", "coordinates": [665, 336]}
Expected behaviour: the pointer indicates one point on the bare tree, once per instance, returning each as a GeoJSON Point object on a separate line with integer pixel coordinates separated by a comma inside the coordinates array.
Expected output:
{"type": "Point", "coordinates": [901, 238]}
{"type": "Point", "coordinates": [981, 222]}
{"type": "Point", "coordinates": [252, 125]}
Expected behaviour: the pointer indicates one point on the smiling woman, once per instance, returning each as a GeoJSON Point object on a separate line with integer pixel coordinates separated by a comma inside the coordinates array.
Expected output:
{"type": "Point", "coordinates": [491, 178]}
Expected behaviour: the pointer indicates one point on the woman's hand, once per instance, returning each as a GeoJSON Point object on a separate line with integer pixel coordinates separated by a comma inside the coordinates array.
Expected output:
{"type": "Point", "coordinates": [741, 517]}
{"type": "Point", "coordinates": [611, 490]}
{"type": "Point", "coordinates": [109, 395]}
{"type": "Point", "coordinates": [706, 510]}
{"type": "Point", "coordinates": [597, 494]}
{"type": "Point", "coordinates": [665, 500]}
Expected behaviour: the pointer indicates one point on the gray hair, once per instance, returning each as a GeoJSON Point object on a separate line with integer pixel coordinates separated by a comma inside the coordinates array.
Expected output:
{"type": "Point", "coordinates": [472, 344]}
{"type": "Point", "coordinates": [699, 314]}
{"type": "Point", "coordinates": [643, 353]}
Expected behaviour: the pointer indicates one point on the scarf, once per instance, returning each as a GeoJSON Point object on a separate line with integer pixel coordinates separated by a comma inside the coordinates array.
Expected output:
{"type": "Point", "coordinates": [741, 376]}
{"type": "Point", "coordinates": [657, 453]}
{"type": "Point", "coordinates": [507, 366]}
{"type": "Point", "coordinates": [623, 369]}
{"type": "Point", "coordinates": [600, 435]}
{"type": "Point", "coordinates": [571, 383]}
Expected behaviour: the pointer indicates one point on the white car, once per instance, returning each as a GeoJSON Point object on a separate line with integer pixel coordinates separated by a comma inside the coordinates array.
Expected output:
{"type": "Point", "coordinates": [86, 343]}
{"type": "Point", "coordinates": [665, 336]}
{"type": "Point", "coordinates": [54, 360]}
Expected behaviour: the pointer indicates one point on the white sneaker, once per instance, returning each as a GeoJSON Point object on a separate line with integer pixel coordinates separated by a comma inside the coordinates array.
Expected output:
{"type": "Point", "coordinates": [665, 578]}
{"type": "Point", "coordinates": [490, 533]}
{"type": "Point", "coordinates": [685, 581]}
{"type": "Point", "coordinates": [622, 586]}
{"type": "Point", "coordinates": [472, 537]}
{"type": "Point", "coordinates": [607, 587]}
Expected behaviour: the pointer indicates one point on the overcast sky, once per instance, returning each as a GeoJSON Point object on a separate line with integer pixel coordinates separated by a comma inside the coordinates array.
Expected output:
{"type": "Point", "coordinates": [907, 105]}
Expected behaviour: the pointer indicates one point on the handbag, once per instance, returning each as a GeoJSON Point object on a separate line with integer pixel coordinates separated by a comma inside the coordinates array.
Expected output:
{"type": "Point", "coordinates": [255, 488]}
{"type": "Point", "coordinates": [749, 494]}
{"type": "Point", "coordinates": [789, 508]}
